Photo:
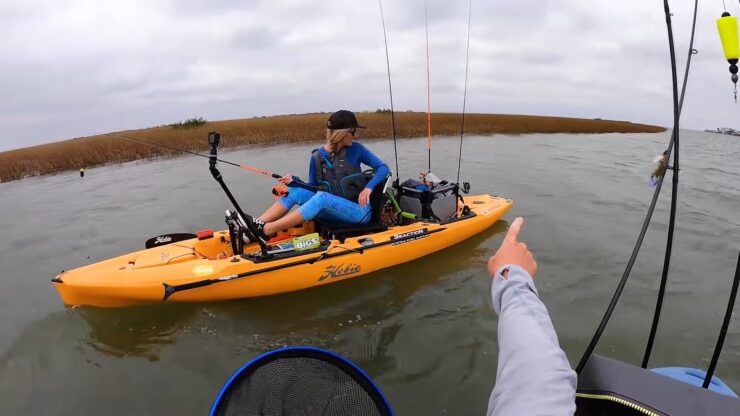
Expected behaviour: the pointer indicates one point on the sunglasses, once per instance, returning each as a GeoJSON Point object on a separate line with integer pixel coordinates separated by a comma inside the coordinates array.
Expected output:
{"type": "Point", "coordinates": [353, 132]}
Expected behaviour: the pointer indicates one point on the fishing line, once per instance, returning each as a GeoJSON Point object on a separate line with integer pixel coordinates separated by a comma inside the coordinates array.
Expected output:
{"type": "Point", "coordinates": [390, 88]}
{"type": "Point", "coordinates": [465, 90]}
{"type": "Point", "coordinates": [429, 93]}
{"type": "Point", "coordinates": [279, 190]}
{"type": "Point", "coordinates": [162, 146]}
{"type": "Point", "coordinates": [674, 139]}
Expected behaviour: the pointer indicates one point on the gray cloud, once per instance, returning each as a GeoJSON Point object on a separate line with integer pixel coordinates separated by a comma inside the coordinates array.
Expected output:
{"type": "Point", "coordinates": [76, 68]}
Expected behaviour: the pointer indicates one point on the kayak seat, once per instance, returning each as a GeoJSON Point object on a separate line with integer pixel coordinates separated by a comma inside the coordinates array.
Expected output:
{"type": "Point", "coordinates": [340, 232]}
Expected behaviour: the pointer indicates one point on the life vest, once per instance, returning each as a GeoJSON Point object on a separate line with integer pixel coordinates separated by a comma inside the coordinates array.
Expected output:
{"type": "Point", "coordinates": [339, 177]}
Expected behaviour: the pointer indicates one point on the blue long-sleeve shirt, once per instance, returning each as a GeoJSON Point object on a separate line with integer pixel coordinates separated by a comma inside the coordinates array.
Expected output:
{"type": "Point", "coordinates": [533, 375]}
{"type": "Point", "coordinates": [357, 155]}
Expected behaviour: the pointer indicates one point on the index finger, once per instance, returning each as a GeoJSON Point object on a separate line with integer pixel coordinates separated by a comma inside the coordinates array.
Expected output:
{"type": "Point", "coordinates": [514, 229]}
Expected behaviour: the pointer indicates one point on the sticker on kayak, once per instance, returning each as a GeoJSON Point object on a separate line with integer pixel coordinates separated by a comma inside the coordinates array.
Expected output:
{"type": "Point", "coordinates": [203, 270]}
{"type": "Point", "coordinates": [334, 271]}
{"type": "Point", "coordinates": [306, 242]}
{"type": "Point", "coordinates": [409, 236]}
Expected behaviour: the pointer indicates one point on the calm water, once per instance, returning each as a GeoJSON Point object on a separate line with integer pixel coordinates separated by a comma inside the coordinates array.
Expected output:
{"type": "Point", "coordinates": [425, 331]}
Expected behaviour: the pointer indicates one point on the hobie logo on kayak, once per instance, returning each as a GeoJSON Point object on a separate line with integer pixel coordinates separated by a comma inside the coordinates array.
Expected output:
{"type": "Point", "coordinates": [339, 270]}
{"type": "Point", "coordinates": [203, 270]}
{"type": "Point", "coordinates": [163, 239]}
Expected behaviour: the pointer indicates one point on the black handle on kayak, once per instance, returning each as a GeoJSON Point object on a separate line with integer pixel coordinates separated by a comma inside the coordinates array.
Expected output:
{"type": "Point", "coordinates": [170, 290]}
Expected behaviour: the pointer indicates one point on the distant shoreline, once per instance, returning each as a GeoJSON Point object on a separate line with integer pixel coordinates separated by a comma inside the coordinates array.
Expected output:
{"type": "Point", "coordinates": [107, 148]}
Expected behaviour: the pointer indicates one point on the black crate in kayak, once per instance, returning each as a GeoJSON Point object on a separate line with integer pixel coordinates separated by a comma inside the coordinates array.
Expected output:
{"type": "Point", "coordinates": [438, 203]}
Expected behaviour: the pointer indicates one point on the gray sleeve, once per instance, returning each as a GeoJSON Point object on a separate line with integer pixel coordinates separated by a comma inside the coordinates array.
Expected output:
{"type": "Point", "coordinates": [533, 376]}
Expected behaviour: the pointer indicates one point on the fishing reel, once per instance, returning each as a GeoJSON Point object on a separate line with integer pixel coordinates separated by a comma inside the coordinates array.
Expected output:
{"type": "Point", "coordinates": [466, 190]}
{"type": "Point", "coordinates": [279, 190]}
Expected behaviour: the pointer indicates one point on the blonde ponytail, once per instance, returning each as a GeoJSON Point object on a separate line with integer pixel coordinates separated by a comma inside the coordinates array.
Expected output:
{"type": "Point", "coordinates": [333, 137]}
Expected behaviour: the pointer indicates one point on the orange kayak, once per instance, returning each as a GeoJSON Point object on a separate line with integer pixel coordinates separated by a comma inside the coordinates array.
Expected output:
{"type": "Point", "coordinates": [204, 270]}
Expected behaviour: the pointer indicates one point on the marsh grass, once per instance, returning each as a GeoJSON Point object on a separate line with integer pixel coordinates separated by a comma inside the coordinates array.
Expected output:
{"type": "Point", "coordinates": [110, 148]}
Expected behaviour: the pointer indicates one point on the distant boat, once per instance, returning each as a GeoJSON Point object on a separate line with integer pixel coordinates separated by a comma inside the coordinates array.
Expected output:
{"type": "Point", "coordinates": [725, 130]}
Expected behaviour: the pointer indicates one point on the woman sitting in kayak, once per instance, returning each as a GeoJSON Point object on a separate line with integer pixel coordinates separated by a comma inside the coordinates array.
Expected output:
{"type": "Point", "coordinates": [343, 192]}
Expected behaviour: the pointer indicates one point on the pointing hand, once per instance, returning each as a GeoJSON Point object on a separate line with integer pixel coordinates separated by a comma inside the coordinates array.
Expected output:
{"type": "Point", "coordinates": [513, 252]}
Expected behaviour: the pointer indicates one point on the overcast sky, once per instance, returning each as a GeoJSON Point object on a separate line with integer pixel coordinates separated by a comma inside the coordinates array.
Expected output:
{"type": "Point", "coordinates": [80, 67]}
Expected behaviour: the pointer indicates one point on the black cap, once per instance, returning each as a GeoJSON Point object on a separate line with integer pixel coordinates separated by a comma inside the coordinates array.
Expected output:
{"type": "Point", "coordinates": [343, 119]}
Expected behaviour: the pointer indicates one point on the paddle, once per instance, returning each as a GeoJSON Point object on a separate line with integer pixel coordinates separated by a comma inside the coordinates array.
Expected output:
{"type": "Point", "coordinates": [168, 239]}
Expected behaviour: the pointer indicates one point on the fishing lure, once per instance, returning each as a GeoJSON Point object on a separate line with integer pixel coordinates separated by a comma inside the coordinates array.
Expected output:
{"type": "Point", "coordinates": [661, 164]}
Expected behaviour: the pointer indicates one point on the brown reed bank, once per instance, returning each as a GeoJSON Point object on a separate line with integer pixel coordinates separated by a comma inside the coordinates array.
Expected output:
{"type": "Point", "coordinates": [92, 151]}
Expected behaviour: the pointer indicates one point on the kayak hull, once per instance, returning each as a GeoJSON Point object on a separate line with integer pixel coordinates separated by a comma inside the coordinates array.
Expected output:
{"type": "Point", "coordinates": [141, 277]}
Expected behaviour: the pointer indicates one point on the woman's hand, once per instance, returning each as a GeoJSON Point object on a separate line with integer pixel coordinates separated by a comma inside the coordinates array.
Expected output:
{"type": "Point", "coordinates": [287, 179]}
{"type": "Point", "coordinates": [364, 198]}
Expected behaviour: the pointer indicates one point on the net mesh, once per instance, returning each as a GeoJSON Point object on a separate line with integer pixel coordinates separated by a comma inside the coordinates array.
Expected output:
{"type": "Point", "coordinates": [297, 386]}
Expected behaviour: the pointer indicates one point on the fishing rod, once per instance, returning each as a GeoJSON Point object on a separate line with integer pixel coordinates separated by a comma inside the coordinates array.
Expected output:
{"type": "Point", "coordinates": [677, 105]}
{"type": "Point", "coordinates": [465, 90]}
{"type": "Point", "coordinates": [429, 93]}
{"type": "Point", "coordinates": [163, 146]}
{"type": "Point", "coordinates": [659, 184]}
{"type": "Point", "coordinates": [725, 324]}
{"type": "Point", "coordinates": [295, 182]}
{"type": "Point", "coordinates": [390, 88]}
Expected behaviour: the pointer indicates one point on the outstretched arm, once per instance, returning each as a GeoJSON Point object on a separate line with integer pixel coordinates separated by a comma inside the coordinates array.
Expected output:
{"type": "Point", "coordinates": [381, 169]}
{"type": "Point", "coordinates": [533, 375]}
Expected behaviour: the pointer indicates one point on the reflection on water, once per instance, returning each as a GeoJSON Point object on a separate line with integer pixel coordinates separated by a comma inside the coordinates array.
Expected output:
{"type": "Point", "coordinates": [136, 332]}
{"type": "Point", "coordinates": [424, 331]}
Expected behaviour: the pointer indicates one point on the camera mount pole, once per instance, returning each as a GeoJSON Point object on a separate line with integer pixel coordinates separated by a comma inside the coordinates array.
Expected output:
{"type": "Point", "coordinates": [213, 140]}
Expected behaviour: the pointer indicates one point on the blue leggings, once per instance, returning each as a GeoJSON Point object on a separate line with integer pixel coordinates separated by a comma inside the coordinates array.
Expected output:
{"type": "Point", "coordinates": [325, 206]}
